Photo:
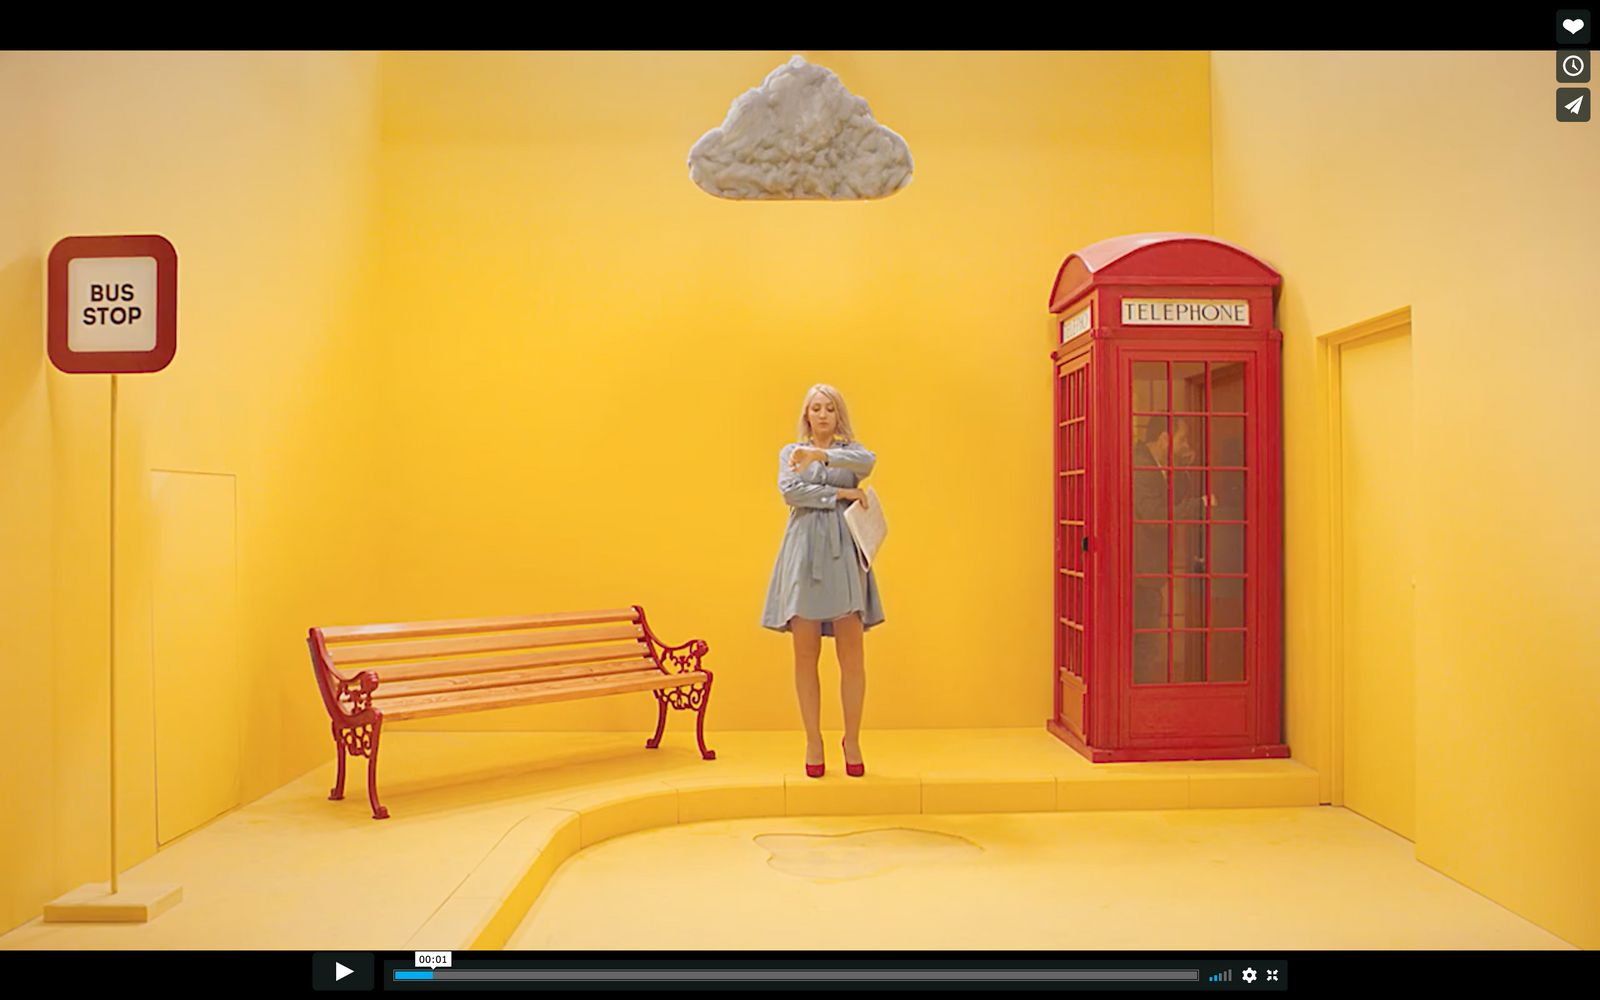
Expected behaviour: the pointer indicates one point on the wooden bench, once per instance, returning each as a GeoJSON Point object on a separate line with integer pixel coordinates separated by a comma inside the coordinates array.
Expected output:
{"type": "Point", "coordinates": [370, 674]}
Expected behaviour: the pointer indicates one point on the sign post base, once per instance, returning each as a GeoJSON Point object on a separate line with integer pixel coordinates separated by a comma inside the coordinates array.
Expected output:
{"type": "Point", "coordinates": [95, 903]}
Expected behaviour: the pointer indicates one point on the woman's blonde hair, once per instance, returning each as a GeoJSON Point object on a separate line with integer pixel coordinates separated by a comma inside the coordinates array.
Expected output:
{"type": "Point", "coordinates": [842, 430]}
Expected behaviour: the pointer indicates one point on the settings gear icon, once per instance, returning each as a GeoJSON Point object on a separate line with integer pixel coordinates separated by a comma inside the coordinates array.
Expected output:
{"type": "Point", "coordinates": [1249, 975]}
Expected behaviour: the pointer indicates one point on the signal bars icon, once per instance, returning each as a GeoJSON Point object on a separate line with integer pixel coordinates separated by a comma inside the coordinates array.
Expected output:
{"type": "Point", "coordinates": [1225, 976]}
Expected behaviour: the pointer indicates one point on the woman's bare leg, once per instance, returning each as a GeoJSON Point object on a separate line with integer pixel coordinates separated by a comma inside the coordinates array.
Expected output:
{"type": "Point", "coordinates": [852, 681]}
{"type": "Point", "coordinates": [807, 648]}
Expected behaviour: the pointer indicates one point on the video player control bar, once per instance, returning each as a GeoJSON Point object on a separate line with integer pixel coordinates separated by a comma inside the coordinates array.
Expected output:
{"type": "Point", "coordinates": [796, 975]}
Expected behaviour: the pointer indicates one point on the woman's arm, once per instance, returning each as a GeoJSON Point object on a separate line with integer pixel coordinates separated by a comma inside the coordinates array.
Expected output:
{"type": "Point", "coordinates": [852, 458]}
{"type": "Point", "coordinates": [799, 493]}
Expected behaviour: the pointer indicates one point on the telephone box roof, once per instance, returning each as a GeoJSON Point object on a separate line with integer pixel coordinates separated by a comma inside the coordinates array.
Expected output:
{"type": "Point", "coordinates": [1158, 259]}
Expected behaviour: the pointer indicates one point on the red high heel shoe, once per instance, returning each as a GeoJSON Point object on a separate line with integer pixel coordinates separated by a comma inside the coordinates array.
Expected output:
{"type": "Point", "coordinates": [815, 770]}
{"type": "Point", "coordinates": [853, 770]}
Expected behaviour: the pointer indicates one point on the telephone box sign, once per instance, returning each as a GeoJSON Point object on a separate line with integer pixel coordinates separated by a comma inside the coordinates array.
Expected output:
{"type": "Point", "coordinates": [1076, 324]}
{"type": "Point", "coordinates": [1185, 312]}
{"type": "Point", "coordinates": [113, 304]}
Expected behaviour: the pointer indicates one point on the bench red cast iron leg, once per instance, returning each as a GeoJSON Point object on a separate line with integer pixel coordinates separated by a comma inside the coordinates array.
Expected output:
{"type": "Point", "coordinates": [378, 810]}
{"type": "Point", "coordinates": [700, 723]}
{"type": "Point", "coordinates": [687, 658]}
{"type": "Point", "coordinates": [338, 786]}
{"type": "Point", "coordinates": [356, 724]}
{"type": "Point", "coordinates": [361, 740]}
{"type": "Point", "coordinates": [661, 721]}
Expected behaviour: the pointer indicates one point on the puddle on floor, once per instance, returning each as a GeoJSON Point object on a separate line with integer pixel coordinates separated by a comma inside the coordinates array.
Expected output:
{"type": "Point", "coordinates": [863, 853]}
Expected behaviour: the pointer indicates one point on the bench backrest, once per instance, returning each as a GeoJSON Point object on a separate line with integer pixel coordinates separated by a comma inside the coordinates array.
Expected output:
{"type": "Point", "coordinates": [412, 658]}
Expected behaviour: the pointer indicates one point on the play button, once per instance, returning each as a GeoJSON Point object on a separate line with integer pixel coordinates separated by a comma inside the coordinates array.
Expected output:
{"type": "Point", "coordinates": [342, 971]}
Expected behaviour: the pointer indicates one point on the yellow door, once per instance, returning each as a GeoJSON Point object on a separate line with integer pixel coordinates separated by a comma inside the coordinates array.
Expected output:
{"type": "Point", "coordinates": [1377, 503]}
{"type": "Point", "coordinates": [194, 648]}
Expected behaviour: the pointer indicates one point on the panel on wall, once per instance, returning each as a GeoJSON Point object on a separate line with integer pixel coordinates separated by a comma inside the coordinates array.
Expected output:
{"type": "Point", "coordinates": [1377, 499]}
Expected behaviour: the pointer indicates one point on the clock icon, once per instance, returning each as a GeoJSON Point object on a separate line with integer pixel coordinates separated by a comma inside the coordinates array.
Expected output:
{"type": "Point", "coordinates": [1572, 67]}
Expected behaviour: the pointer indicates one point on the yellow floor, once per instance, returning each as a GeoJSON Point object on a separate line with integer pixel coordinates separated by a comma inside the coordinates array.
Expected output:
{"type": "Point", "coordinates": [482, 820]}
{"type": "Point", "coordinates": [1261, 879]}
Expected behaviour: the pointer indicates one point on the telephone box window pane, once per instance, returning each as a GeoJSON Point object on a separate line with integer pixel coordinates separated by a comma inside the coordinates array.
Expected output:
{"type": "Point", "coordinates": [1150, 548]}
{"type": "Point", "coordinates": [1227, 602]}
{"type": "Point", "coordinates": [1188, 657]}
{"type": "Point", "coordinates": [1228, 488]}
{"type": "Point", "coordinates": [1189, 386]}
{"type": "Point", "coordinates": [1189, 603]}
{"type": "Point", "coordinates": [1150, 386]}
{"type": "Point", "coordinates": [1150, 602]}
{"type": "Point", "coordinates": [1150, 658]}
{"type": "Point", "coordinates": [1227, 656]}
{"type": "Point", "coordinates": [1149, 496]}
{"type": "Point", "coordinates": [1189, 440]}
{"type": "Point", "coordinates": [1227, 387]}
{"type": "Point", "coordinates": [1146, 449]}
{"type": "Point", "coordinates": [1189, 496]}
{"type": "Point", "coordinates": [1227, 548]}
{"type": "Point", "coordinates": [1189, 548]}
{"type": "Point", "coordinates": [1227, 440]}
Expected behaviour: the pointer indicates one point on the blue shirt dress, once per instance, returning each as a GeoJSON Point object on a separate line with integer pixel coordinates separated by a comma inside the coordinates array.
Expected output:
{"type": "Point", "coordinates": [817, 574]}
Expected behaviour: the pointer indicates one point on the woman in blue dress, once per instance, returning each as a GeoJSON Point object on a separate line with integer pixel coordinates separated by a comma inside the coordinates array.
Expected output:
{"type": "Point", "coordinates": [818, 587]}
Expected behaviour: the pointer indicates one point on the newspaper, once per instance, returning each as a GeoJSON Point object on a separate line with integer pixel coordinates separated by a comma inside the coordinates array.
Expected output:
{"type": "Point", "coordinates": [868, 527]}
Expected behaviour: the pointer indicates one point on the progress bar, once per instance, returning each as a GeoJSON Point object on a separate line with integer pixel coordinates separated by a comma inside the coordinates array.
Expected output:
{"type": "Point", "coordinates": [796, 975]}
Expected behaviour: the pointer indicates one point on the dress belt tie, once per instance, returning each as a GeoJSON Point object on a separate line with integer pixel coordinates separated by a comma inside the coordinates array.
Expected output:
{"type": "Point", "coordinates": [834, 528]}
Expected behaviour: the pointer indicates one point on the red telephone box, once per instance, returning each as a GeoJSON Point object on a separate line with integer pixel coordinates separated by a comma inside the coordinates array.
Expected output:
{"type": "Point", "coordinates": [1168, 509]}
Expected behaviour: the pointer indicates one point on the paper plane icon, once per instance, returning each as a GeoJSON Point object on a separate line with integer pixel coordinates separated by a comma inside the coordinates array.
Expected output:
{"type": "Point", "coordinates": [1575, 106]}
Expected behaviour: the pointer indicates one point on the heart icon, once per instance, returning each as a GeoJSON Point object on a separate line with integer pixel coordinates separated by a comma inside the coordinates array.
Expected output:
{"type": "Point", "coordinates": [1573, 25]}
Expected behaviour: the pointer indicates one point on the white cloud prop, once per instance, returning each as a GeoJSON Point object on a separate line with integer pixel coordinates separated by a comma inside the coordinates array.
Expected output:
{"type": "Point", "coordinates": [800, 135]}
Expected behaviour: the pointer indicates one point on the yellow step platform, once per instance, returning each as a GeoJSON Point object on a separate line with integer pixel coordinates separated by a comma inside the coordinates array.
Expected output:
{"type": "Point", "coordinates": [482, 821]}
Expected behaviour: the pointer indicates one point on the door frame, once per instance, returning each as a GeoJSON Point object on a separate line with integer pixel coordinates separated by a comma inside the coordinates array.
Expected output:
{"type": "Point", "coordinates": [1330, 623]}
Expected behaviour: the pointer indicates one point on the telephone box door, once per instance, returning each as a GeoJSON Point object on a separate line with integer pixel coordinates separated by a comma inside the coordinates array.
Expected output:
{"type": "Point", "coordinates": [1189, 475]}
{"type": "Point", "coordinates": [1072, 576]}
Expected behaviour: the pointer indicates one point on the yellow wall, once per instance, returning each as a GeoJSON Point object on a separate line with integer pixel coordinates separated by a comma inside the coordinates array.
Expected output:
{"type": "Point", "coordinates": [1441, 181]}
{"type": "Point", "coordinates": [27, 759]}
{"type": "Point", "coordinates": [258, 167]}
{"type": "Point", "coordinates": [591, 364]}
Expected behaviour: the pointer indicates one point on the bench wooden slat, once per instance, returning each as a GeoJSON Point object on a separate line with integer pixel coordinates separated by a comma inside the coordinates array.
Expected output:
{"type": "Point", "coordinates": [397, 672]}
{"type": "Point", "coordinates": [429, 705]}
{"type": "Point", "coordinates": [377, 652]}
{"type": "Point", "coordinates": [406, 630]}
{"type": "Point", "coordinates": [472, 682]}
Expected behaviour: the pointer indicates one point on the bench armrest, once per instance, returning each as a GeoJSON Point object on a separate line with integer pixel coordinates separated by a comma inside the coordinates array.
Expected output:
{"type": "Point", "coordinates": [685, 656]}
{"type": "Point", "coordinates": [346, 698]}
